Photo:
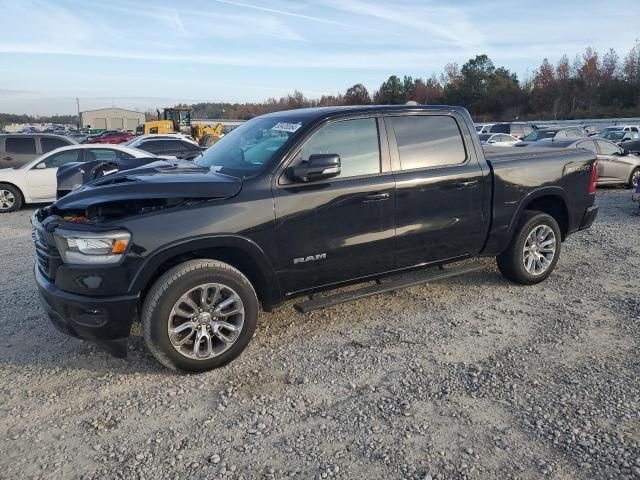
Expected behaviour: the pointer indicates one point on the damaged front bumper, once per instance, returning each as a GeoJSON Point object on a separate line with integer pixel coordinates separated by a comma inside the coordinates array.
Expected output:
{"type": "Point", "coordinates": [105, 321]}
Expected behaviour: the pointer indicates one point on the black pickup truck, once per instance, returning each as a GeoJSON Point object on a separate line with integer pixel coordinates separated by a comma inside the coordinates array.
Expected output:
{"type": "Point", "coordinates": [290, 204]}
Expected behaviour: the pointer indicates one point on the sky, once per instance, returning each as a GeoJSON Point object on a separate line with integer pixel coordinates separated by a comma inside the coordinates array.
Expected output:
{"type": "Point", "coordinates": [150, 54]}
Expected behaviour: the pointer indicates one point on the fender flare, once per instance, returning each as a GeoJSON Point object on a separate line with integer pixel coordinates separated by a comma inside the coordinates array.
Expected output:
{"type": "Point", "coordinates": [271, 290]}
{"type": "Point", "coordinates": [550, 191]}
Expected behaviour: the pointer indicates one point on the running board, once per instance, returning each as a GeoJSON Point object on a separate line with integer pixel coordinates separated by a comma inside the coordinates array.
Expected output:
{"type": "Point", "coordinates": [316, 303]}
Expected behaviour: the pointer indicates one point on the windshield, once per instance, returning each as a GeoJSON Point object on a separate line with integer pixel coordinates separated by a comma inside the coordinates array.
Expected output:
{"type": "Point", "coordinates": [250, 147]}
{"type": "Point", "coordinates": [540, 135]}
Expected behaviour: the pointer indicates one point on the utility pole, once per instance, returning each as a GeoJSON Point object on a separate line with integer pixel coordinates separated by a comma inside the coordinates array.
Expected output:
{"type": "Point", "coordinates": [78, 105]}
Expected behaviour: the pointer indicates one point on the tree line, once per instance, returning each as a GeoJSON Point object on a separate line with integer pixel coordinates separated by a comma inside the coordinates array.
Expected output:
{"type": "Point", "coordinates": [589, 86]}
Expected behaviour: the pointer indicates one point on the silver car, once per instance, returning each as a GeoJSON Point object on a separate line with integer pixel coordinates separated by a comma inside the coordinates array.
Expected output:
{"type": "Point", "coordinates": [615, 165]}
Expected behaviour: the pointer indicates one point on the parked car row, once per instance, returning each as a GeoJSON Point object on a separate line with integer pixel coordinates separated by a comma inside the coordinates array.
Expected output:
{"type": "Point", "coordinates": [35, 181]}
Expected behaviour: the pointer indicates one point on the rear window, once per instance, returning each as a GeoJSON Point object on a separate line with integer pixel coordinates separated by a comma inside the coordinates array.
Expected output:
{"type": "Point", "coordinates": [608, 148]}
{"type": "Point", "coordinates": [20, 145]}
{"type": "Point", "coordinates": [588, 144]}
{"type": "Point", "coordinates": [426, 141]}
{"type": "Point", "coordinates": [49, 144]}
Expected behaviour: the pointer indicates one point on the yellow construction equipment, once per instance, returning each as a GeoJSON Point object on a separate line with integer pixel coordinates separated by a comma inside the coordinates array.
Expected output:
{"type": "Point", "coordinates": [206, 135]}
{"type": "Point", "coordinates": [178, 120]}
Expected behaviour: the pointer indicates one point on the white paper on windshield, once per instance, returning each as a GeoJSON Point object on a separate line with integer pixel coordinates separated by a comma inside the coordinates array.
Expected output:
{"type": "Point", "coordinates": [286, 127]}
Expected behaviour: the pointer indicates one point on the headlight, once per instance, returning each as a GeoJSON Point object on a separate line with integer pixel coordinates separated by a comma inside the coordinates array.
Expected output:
{"type": "Point", "coordinates": [91, 248]}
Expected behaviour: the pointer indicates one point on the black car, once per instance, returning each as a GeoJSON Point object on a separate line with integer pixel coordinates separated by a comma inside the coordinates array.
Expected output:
{"type": "Point", "coordinates": [167, 146]}
{"type": "Point", "coordinates": [632, 146]}
{"type": "Point", "coordinates": [290, 204]}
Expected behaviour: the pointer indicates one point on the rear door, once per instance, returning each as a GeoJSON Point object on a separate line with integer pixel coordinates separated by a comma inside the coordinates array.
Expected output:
{"type": "Point", "coordinates": [442, 192]}
{"type": "Point", "coordinates": [340, 228]}
{"type": "Point", "coordinates": [48, 144]}
{"type": "Point", "coordinates": [18, 150]}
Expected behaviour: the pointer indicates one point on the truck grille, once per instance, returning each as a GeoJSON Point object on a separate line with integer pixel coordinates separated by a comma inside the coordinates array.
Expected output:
{"type": "Point", "coordinates": [47, 258]}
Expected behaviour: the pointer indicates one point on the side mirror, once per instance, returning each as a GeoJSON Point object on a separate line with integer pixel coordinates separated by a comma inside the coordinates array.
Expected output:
{"type": "Point", "coordinates": [318, 167]}
{"type": "Point", "coordinates": [625, 151]}
{"type": "Point", "coordinates": [491, 141]}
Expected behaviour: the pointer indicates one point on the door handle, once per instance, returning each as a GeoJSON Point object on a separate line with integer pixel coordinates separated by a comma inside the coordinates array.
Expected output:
{"type": "Point", "coordinates": [376, 197]}
{"type": "Point", "coordinates": [468, 184]}
{"type": "Point", "coordinates": [7, 158]}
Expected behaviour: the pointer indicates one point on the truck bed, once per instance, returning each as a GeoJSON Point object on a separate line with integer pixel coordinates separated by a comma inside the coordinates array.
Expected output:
{"type": "Point", "coordinates": [499, 154]}
{"type": "Point", "coordinates": [521, 173]}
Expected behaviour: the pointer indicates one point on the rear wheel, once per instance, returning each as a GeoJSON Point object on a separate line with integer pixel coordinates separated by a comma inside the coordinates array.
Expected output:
{"type": "Point", "coordinates": [10, 198]}
{"type": "Point", "coordinates": [199, 315]}
{"type": "Point", "coordinates": [634, 178]}
{"type": "Point", "coordinates": [534, 249]}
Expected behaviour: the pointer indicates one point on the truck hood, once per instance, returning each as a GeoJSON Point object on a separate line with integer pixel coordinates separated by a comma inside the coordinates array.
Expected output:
{"type": "Point", "coordinates": [162, 179]}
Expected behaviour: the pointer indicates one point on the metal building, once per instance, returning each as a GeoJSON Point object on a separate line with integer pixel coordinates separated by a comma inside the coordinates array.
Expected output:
{"type": "Point", "coordinates": [111, 119]}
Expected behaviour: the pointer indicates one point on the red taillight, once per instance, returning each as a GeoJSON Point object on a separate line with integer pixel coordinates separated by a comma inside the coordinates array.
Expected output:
{"type": "Point", "coordinates": [594, 177]}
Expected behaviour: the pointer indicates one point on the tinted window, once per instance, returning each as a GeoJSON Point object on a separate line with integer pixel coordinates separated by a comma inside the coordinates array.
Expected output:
{"type": "Point", "coordinates": [500, 128]}
{"type": "Point", "coordinates": [588, 144]}
{"type": "Point", "coordinates": [59, 159]}
{"type": "Point", "coordinates": [20, 145]}
{"type": "Point", "coordinates": [356, 141]}
{"type": "Point", "coordinates": [49, 144]}
{"type": "Point", "coordinates": [105, 154]}
{"type": "Point", "coordinates": [428, 141]}
{"type": "Point", "coordinates": [155, 146]}
{"type": "Point", "coordinates": [607, 148]}
{"type": "Point", "coordinates": [188, 146]}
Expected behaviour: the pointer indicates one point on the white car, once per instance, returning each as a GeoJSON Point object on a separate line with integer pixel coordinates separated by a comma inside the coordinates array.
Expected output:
{"type": "Point", "coordinates": [182, 136]}
{"type": "Point", "coordinates": [35, 181]}
{"type": "Point", "coordinates": [484, 127]}
{"type": "Point", "coordinates": [498, 139]}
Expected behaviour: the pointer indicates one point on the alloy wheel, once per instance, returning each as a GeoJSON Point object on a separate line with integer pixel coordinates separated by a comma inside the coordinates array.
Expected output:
{"type": "Point", "coordinates": [539, 250]}
{"type": "Point", "coordinates": [7, 199]}
{"type": "Point", "coordinates": [206, 321]}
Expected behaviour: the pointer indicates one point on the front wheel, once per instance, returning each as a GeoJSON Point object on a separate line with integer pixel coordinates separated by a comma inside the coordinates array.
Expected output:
{"type": "Point", "coordinates": [199, 315]}
{"type": "Point", "coordinates": [534, 249]}
{"type": "Point", "coordinates": [634, 178]}
{"type": "Point", "coordinates": [10, 198]}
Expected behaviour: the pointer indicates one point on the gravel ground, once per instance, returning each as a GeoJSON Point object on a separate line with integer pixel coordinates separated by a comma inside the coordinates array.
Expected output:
{"type": "Point", "coordinates": [471, 377]}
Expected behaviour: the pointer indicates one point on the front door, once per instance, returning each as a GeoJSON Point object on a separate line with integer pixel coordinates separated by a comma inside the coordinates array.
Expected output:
{"type": "Point", "coordinates": [442, 192]}
{"type": "Point", "coordinates": [41, 178]}
{"type": "Point", "coordinates": [340, 228]}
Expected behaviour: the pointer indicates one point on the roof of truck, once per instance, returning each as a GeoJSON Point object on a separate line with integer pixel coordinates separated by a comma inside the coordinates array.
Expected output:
{"type": "Point", "coordinates": [319, 112]}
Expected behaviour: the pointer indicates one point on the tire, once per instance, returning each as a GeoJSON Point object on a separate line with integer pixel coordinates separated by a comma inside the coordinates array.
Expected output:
{"type": "Point", "coordinates": [634, 178]}
{"type": "Point", "coordinates": [167, 304]}
{"type": "Point", "coordinates": [10, 198]}
{"type": "Point", "coordinates": [511, 262]}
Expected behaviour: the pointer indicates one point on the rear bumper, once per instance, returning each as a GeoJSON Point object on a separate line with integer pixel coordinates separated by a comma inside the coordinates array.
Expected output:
{"type": "Point", "coordinates": [589, 217]}
{"type": "Point", "coordinates": [105, 321]}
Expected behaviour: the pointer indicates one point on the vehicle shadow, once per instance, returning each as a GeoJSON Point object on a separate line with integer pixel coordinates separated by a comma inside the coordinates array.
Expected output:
{"type": "Point", "coordinates": [52, 350]}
